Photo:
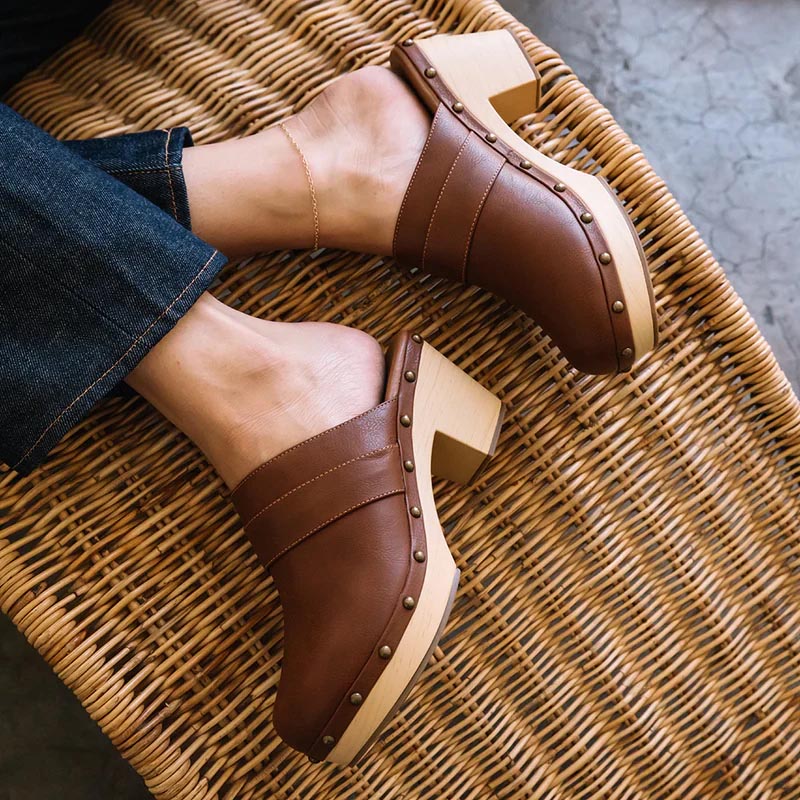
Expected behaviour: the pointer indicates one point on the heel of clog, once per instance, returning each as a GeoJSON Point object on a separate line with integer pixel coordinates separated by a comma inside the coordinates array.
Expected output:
{"type": "Point", "coordinates": [454, 424]}
{"type": "Point", "coordinates": [457, 422]}
{"type": "Point", "coordinates": [486, 68]}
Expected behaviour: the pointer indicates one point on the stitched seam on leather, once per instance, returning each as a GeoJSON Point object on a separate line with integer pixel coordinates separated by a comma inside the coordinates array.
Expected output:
{"type": "Point", "coordinates": [413, 177]}
{"type": "Point", "coordinates": [169, 175]}
{"type": "Point", "coordinates": [306, 441]}
{"type": "Point", "coordinates": [119, 360]}
{"type": "Point", "coordinates": [439, 199]}
{"type": "Point", "coordinates": [316, 478]}
{"type": "Point", "coordinates": [475, 220]}
{"type": "Point", "coordinates": [327, 522]}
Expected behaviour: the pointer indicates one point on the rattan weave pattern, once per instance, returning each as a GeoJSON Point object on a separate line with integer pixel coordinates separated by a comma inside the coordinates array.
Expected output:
{"type": "Point", "coordinates": [629, 612]}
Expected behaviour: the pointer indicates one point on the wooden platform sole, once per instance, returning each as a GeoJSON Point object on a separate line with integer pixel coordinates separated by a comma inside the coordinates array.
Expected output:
{"type": "Point", "coordinates": [492, 75]}
{"type": "Point", "coordinates": [415, 678]}
{"type": "Point", "coordinates": [456, 423]}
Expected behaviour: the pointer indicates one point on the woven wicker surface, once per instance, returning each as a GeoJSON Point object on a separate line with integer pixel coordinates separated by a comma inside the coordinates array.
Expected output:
{"type": "Point", "coordinates": [627, 623]}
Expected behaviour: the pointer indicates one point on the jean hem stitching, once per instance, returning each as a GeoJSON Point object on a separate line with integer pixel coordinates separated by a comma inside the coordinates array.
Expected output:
{"type": "Point", "coordinates": [119, 360]}
{"type": "Point", "coordinates": [168, 167]}
{"type": "Point", "coordinates": [130, 170]}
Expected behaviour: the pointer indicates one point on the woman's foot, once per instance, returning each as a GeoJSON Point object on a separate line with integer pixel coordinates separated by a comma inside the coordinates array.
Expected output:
{"type": "Point", "coordinates": [361, 138]}
{"type": "Point", "coordinates": [245, 389]}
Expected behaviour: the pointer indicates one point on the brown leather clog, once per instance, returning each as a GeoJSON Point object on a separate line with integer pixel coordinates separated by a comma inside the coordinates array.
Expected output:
{"type": "Point", "coordinates": [346, 524]}
{"type": "Point", "coordinates": [484, 207]}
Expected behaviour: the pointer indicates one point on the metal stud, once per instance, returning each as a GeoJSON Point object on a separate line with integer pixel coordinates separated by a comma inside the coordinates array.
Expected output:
{"type": "Point", "coordinates": [385, 651]}
{"type": "Point", "coordinates": [458, 106]}
{"type": "Point", "coordinates": [419, 556]}
{"type": "Point", "coordinates": [604, 258]}
{"type": "Point", "coordinates": [408, 602]}
{"type": "Point", "coordinates": [356, 699]}
{"type": "Point", "coordinates": [410, 376]}
{"type": "Point", "coordinates": [408, 466]}
{"type": "Point", "coordinates": [560, 187]}
{"type": "Point", "coordinates": [525, 164]}
{"type": "Point", "coordinates": [415, 512]}
{"type": "Point", "coordinates": [491, 137]}
{"type": "Point", "coordinates": [587, 217]}
{"type": "Point", "coordinates": [408, 42]}
{"type": "Point", "coordinates": [405, 421]}
{"type": "Point", "coordinates": [328, 740]}
{"type": "Point", "coordinates": [417, 338]}
{"type": "Point", "coordinates": [618, 307]}
{"type": "Point", "coordinates": [627, 352]}
{"type": "Point", "coordinates": [430, 72]}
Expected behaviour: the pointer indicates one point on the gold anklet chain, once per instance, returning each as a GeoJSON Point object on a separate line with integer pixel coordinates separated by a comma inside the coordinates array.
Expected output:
{"type": "Point", "coordinates": [310, 182]}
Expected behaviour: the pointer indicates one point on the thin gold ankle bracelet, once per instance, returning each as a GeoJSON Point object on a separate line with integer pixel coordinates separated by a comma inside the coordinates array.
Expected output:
{"type": "Point", "coordinates": [310, 182]}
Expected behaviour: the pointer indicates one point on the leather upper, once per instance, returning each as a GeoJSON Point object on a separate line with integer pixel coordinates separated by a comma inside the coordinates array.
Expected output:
{"type": "Point", "coordinates": [330, 520]}
{"type": "Point", "coordinates": [473, 213]}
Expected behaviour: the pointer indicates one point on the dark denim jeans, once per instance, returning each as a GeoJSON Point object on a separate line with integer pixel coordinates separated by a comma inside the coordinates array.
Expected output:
{"type": "Point", "coordinates": [97, 263]}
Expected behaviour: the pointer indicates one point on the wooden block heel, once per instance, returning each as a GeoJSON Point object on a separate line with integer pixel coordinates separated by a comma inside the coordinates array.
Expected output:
{"type": "Point", "coordinates": [485, 207]}
{"type": "Point", "coordinates": [454, 428]}
{"type": "Point", "coordinates": [347, 526]}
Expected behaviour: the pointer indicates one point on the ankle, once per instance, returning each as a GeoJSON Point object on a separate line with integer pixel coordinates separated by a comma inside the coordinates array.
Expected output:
{"type": "Point", "coordinates": [249, 195]}
{"type": "Point", "coordinates": [361, 138]}
{"type": "Point", "coordinates": [245, 389]}
{"type": "Point", "coordinates": [196, 372]}
{"type": "Point", "coordinates": [314, 377]}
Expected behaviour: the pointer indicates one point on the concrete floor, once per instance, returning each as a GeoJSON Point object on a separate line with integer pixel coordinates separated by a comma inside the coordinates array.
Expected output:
{"type": "Point", "coordinates": [711, 91]}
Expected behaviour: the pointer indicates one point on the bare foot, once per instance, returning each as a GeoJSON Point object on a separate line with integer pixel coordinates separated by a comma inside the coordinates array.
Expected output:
{"type": "Point", "coordinates": [245, 389]}
{"type": "Point", "coordinates": [361, 138]}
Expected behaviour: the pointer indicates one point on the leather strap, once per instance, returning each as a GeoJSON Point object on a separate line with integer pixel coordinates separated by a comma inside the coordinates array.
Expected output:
{"type": "Point", "coordinates": [440, 210]}
{"type": "Point", "coordinates": [309, 508]}
{"type": "Point", "coordinates": [328, 450]}
{"type": "Point", "coordinates": [354, 464]}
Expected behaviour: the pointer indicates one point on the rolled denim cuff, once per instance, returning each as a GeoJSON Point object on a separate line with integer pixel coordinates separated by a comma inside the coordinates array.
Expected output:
{"type": "Point", "coordinates": [92, 274]}
{"type": "Point", "coordinates": [150, 163]}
